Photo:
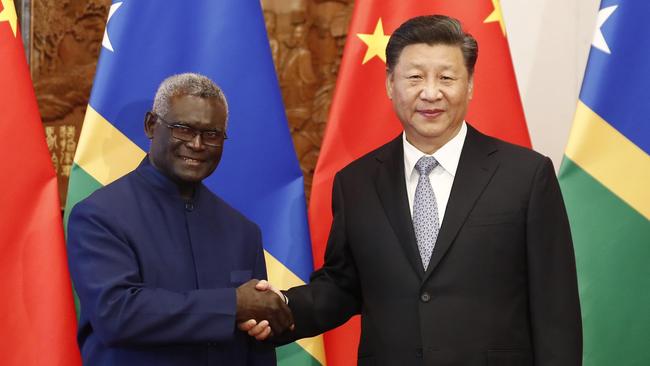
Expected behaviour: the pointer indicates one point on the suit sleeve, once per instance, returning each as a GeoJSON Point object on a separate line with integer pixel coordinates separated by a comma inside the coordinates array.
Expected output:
{"type": "Point", "coordinates": [333, 294]}
{"type": "Point", "coordinates": [120, 308]}
{"type": "Point", "coordinates": [553, 290]}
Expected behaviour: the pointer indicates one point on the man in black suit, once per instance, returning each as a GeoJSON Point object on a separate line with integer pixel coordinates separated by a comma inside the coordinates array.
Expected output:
{"type": "Point", "coordinates": [453, 246]}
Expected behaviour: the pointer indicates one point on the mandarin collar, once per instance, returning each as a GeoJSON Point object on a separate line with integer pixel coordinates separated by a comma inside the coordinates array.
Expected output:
{"type": "Point", "coordinates": [155, 177]}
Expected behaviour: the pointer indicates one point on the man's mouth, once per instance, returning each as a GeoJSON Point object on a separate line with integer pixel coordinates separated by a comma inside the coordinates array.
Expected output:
{"type": "Point", "coordinates": [191, 161]}
{"type": "Point", "coordinates": [430, 113]}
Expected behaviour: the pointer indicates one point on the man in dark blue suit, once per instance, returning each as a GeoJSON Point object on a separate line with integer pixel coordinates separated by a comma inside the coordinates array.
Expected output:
{"type": "Point", "coordinates": [162, 266]}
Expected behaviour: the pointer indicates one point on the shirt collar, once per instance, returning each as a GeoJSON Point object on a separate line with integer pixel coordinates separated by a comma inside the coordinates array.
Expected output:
{"type": "Point", "coordinates": [447, 156]}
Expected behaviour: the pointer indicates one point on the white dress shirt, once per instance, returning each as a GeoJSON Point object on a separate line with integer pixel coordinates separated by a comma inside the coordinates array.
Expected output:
{"type": "Point", "coordinates": [442, 176]}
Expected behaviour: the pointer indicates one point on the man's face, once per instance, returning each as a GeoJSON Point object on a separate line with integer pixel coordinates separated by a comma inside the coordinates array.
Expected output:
{"type": "Point", "coordinates": [192, 161]}
{"type": "Point", "coordinates": [430, 89]}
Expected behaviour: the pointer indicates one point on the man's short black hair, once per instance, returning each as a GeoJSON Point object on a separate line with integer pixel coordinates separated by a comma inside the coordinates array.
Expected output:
{"type": "Point", "coordinates": [432, 30]}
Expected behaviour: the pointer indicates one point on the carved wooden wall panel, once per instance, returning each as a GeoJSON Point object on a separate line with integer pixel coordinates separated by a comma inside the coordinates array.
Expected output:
{"type": "Point", "coordinates": [65, 44]}
{"type": "Point", "coordinates": [306, 39]}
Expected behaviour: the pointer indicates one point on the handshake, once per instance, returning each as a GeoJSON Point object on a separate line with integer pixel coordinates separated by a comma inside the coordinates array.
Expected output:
{"type": "Point", "coordinates": [262, 310]}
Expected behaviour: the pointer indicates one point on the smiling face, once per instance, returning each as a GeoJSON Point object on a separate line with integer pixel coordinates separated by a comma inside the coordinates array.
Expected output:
{"type": "Point", "coordinates": [186, 163]}
{"type": "Point", "coordinates": [430, 89]}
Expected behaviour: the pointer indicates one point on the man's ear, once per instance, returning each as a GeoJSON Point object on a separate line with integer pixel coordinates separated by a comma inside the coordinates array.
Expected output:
{"type": "Point", "coordinates": [470, 87]}
{"type": "Point", "coordinates": [149, 122]}
{"type": "Point", "coordinates": [389, 84]}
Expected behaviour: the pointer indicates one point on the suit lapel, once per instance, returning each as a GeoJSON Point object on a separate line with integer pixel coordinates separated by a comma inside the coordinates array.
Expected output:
{"type": "Point", "coordinates": [391, 188]}
{"type": "Point", "coordinates": [475, 169]}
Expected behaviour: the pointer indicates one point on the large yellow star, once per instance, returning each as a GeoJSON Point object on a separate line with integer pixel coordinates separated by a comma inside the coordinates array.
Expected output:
{"type": "Point", "coordinates": [376, 43]}
{"type": "Point", "coordinates": [8, 14]}
{"type": "Point", "coordinates": [496, 16]}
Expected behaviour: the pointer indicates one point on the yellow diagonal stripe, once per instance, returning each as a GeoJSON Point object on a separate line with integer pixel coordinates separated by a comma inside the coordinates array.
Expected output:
{"type": "Point", "coordinates": [103, 151]}
{"type": "Point", "coordinates": [281, 277]}
{"type": "Point", "coordinates": [612, 159]}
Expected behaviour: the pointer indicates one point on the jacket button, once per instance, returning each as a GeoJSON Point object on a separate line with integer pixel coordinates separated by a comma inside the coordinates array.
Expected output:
{"type": "Point", "coordinates": [425, 297]}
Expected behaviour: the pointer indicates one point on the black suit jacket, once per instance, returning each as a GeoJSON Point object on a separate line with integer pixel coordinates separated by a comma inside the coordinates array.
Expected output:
{"type": "Point", "coordinates": [501, 286]}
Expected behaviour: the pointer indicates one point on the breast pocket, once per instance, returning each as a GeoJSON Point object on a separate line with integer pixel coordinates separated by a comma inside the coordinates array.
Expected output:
{"type": "Point", "coordinates": [238, 277]}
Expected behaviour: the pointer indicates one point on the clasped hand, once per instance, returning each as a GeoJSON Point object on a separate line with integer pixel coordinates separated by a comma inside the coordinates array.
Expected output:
{"type": "Point", "coordinates": [262, 313]}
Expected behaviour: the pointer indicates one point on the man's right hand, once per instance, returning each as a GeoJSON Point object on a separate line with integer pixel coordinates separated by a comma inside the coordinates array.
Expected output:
{"type": "Point", "coordinates": [262, 306]}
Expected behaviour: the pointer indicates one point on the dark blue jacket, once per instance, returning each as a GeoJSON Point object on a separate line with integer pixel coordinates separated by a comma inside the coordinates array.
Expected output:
{"type": "Point", "coordinates": [156, 275]}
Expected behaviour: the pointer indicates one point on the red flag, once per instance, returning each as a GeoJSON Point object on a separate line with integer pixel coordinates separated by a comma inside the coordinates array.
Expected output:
{"type": "Point", "coordinates": [361, 117]}
{"type": "Point", "coordinates": [37, 315]}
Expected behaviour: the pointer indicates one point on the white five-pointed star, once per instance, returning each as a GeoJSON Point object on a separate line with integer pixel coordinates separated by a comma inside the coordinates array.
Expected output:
{"type": "Point", "coordinates": [599, 40]}
{"type": "Point", "coordinates": [106, 42]}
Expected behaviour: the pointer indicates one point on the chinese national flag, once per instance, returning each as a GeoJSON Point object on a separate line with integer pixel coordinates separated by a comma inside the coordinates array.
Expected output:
{"type": "Point", "coordinates": [362, 119]}
{"type": "Point", "coordinates": [37, 315]}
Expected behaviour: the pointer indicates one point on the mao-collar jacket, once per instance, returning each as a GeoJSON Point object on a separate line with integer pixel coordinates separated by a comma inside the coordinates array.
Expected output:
{"type": "Point", "coordinates": [156, 275]}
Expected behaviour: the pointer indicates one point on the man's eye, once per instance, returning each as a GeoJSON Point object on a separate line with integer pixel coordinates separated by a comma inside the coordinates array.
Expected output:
{"type": "Point", "coordinates": [211, 134]}
{"type": "Point", "coordinates": [414, 77]}
{"type": "Point", "coordinates": [181, 128]}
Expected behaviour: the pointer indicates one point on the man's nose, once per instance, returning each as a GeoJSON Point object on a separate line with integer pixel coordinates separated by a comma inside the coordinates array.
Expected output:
{"type": "Point", "coordinates": [430, 90]}
{"type": "Point", "coordinates": [196, 143]}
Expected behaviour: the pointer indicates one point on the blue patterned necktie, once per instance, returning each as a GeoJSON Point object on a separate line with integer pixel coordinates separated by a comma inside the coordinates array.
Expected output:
{"type": "Point", "coordinates": [425, 210]}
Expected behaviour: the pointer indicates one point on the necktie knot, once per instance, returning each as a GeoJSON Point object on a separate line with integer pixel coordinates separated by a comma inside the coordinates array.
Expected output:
{"type": "Point", "coordinates": [425, 165]}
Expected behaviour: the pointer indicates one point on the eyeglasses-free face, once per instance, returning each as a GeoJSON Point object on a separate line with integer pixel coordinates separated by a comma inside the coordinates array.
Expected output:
{"type": "Point", "coordinates": [183, 132]}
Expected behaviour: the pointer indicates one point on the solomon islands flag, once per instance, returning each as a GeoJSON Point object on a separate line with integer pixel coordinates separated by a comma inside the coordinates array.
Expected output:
{"type": "Point", "coordinates": [605, 180]}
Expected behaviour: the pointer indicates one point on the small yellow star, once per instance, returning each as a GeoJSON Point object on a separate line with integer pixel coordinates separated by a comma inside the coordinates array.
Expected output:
{"type": "Point", "coordinates": [376, 43]}
{"type": "Point", "coordinates": [496, 16]}
{"type": "Point", "coordinates": [8, 14]}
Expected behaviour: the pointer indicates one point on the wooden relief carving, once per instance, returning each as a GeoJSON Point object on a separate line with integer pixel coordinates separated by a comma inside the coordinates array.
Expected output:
{"type": "Point", "coordinates": [65, 46]}
{"type": "Point", "coordinates": [306, 39]}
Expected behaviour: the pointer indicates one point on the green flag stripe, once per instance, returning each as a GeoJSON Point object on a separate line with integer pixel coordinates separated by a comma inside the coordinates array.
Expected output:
{"type": "Point", "coordinates": [294, 355]}
{"type": "Point", "coordinates": [612, 252]}
{"type": "Point", "coordinates": [81, 186]}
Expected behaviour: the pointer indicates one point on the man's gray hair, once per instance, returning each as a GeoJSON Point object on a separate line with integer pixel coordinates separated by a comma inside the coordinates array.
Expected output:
{"type": "Point", "coordinates": [186, 84]}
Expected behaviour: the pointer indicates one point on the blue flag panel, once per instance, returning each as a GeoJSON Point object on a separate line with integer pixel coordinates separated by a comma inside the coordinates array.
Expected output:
{"type": "Point", "coordinates": [613, 86]}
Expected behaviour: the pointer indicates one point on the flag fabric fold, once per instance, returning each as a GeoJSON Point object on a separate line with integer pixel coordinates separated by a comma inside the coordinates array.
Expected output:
{"type": "Point", "coordinates": [605, 175]}
{"type": "Point", "coordinates": [361, 116]}
{"type": "Point", "coordinates": [37, 319]}
{"type": "Point", "coordinates": [148, 40]}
